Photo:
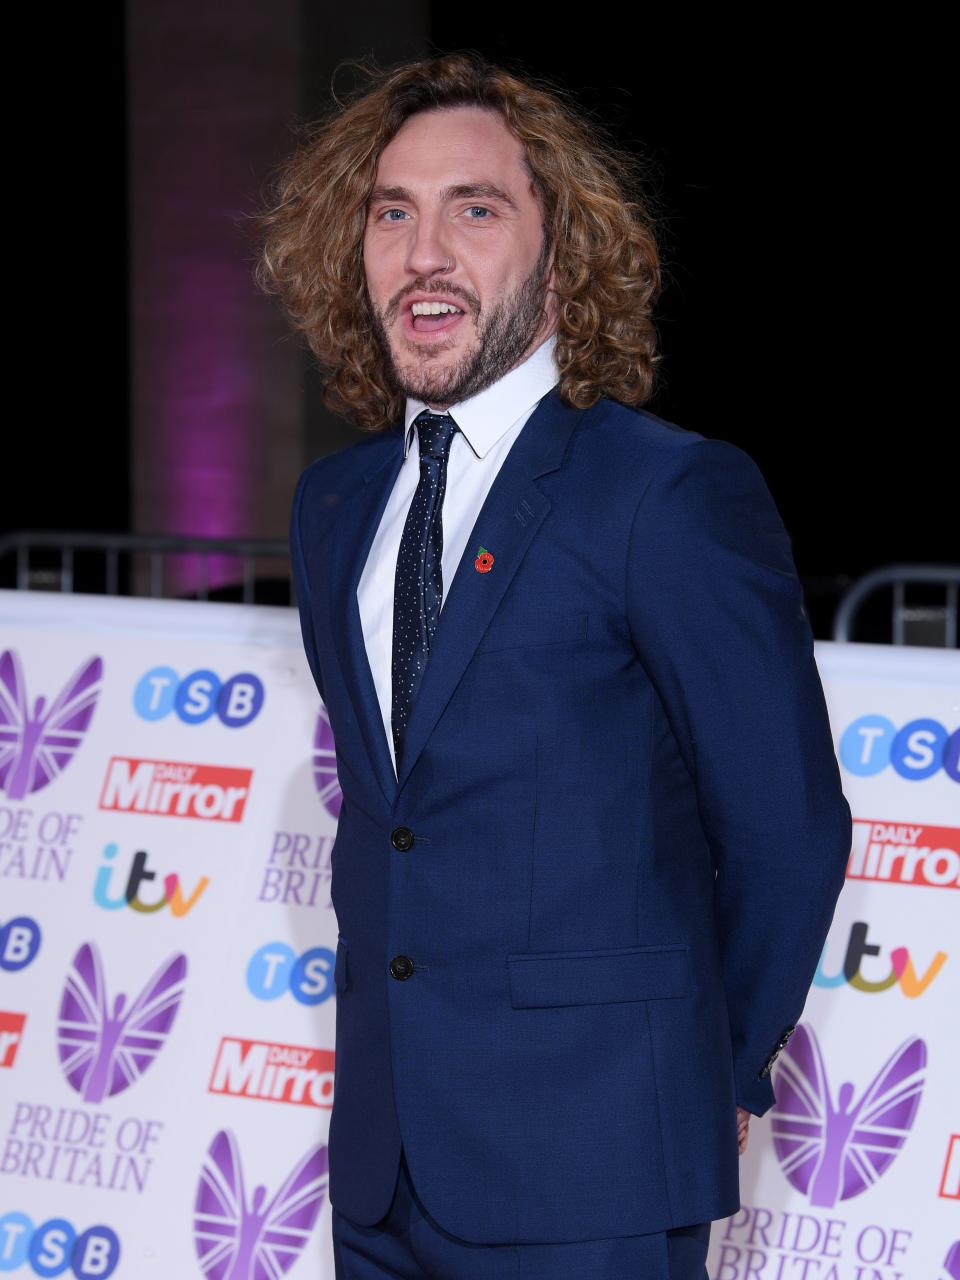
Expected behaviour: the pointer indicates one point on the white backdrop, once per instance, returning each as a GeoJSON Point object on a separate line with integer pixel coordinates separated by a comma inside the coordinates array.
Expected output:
{"type": "Point", "coordinates": [166, 820]}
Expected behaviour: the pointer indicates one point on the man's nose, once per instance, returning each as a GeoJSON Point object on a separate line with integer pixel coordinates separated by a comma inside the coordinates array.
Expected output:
{"type": "Point", "coordinates": [429, 252]}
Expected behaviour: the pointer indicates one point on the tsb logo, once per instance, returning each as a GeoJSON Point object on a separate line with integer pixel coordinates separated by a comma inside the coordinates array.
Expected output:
{"type": "Point", "coordinates": [19, 943]}
{"type": "Point", "coordinates": [54, 1248]}
{"type": "Point", "coordinates": [198, 696]}
{"type": "Point", "coordinates": [276, 969]}
{"type": "Point", "coordinates": [917, 751]}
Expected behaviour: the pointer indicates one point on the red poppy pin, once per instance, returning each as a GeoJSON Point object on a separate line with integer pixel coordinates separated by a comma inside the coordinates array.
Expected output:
{"type": "Point", "coordinates": [484, 561]}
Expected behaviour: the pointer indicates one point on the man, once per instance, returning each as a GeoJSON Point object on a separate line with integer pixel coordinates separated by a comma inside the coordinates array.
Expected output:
{"type": "Point", "coordinates": [592, 831]}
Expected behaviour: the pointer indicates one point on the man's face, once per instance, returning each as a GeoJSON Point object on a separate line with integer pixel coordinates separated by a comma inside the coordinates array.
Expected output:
{"type": "Point", "coordinates": [453, 219]}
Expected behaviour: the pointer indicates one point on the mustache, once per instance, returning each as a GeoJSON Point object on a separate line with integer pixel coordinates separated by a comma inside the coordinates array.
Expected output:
{"type": "Point", "coordinates": [471, 301]}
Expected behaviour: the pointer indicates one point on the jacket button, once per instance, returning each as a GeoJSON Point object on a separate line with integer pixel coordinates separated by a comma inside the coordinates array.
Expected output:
{"type": "Point", "coordinates": [401, 967]}
{"type": "Point", "coordinates": [401, 838]}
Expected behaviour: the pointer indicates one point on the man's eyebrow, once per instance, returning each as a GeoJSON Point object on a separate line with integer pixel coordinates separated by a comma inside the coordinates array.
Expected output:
{"type": "Point", "coordinates": [390, 193]}
{"type": "Point", "coordinates": [479, 191]}
{"type": "Point", "coordinates": [460, 191]}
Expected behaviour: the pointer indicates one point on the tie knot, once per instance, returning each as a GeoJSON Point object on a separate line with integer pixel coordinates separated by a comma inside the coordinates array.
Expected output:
{"type": "Point", "coordinates": [435, 432]}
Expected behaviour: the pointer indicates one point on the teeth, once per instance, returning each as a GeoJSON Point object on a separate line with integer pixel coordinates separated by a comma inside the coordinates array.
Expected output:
{"type": "Point", "coordinates": [434, 309]}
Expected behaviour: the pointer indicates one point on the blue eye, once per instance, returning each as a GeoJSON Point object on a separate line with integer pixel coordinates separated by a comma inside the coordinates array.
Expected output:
{"type": "Point", "coordinates": [479, 208]}
{"type": "Point", "coordinates": [387, 213]}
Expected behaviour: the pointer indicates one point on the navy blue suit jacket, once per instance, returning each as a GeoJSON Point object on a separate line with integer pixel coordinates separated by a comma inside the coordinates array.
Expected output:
{"type": "Point", "coordinates": [628, 834]}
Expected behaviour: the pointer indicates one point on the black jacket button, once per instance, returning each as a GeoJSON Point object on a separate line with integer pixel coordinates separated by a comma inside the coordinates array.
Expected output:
{"type": "Point", "coordinates": [401, 838]}
{"type": "Point", "coordinates": [401, 967]}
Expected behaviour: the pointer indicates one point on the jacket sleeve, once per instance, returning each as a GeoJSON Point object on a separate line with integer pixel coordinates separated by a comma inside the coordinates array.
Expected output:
{"type": "Point", "coordinates": [301, 584]}
{"type": "Point", "coordinates": [716, 613]}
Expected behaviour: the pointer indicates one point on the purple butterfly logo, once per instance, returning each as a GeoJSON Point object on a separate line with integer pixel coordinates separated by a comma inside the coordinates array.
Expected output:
{"type": "Point", "coordinates": [103, 1053]}
{"type": "Point", "coordinates": [35, 748]}
{"type": "Point", "coordinates": [951, 1263]}
{"type": "Point", "coordinates": [325, 765]}
{"type": "Point", "coordinates": [833, 1152]}
{"type": "Point", "coordinates": [256, 1240]}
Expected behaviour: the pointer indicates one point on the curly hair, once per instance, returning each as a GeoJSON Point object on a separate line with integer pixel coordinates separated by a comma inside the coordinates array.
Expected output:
{"type": "Point", "coordinates": [607, 266]}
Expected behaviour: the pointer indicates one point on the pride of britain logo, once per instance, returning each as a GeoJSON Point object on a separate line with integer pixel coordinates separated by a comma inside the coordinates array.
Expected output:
{"type": "Point", "coordinates": [325, 765]}
{"type": "Point", "coordinates": [834, 1151]}
{"type": "Point", "coordinates": [236, 1236]}
{"type": "Point", "coordinates": [37, 744]}
{"type": "Point", "coordinates": [104, 1050]}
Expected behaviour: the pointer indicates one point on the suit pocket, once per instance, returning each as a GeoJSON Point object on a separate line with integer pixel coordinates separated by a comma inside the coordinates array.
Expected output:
{"type": "Point", "coordinates": [529, 628]}
{"type": "Point", "coordinates": [341, 973]}
{"type": "Point", "coordinates": [543, 979]}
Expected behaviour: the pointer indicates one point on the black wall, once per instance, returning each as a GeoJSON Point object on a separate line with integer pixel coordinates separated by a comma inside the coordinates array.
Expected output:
{"type": "Point", "coordinates": [797, 169]}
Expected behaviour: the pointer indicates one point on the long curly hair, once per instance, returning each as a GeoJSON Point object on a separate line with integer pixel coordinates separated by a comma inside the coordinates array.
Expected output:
{"type": "Point", "coordinates": [600, 226]}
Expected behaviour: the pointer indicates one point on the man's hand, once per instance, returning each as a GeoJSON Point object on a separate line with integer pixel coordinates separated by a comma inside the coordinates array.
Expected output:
{"type": "Point", "coordinates": [743, 1123]}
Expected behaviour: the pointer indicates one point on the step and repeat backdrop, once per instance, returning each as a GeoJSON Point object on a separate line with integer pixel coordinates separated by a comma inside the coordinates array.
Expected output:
{"type": "Point", "coordinates": [168, 806]}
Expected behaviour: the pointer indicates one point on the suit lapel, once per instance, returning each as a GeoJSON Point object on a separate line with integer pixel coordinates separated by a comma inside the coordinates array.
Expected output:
{"type": "Point", "coordinates": [509, 519]}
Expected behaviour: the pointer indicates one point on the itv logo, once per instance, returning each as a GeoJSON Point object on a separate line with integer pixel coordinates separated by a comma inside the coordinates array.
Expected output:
{"type": "Point", "coordinates": [139, 875]}
{"type": "Point", "coordinates": [901, 972]}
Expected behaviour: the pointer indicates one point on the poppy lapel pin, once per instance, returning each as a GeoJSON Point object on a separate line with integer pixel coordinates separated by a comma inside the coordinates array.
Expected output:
{"type": "Point", "coordinates": [484, 561]}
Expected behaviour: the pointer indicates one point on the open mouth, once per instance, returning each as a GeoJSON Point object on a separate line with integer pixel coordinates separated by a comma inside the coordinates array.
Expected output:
{"type": "Point", "coordinates": [429, 319]}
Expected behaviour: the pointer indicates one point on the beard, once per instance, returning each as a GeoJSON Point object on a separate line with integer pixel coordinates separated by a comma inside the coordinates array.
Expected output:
{"type": "Point", "coordinates": [503, 336]}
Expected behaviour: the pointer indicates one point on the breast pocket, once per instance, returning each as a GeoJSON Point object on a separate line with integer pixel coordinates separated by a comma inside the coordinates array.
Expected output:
{"type": "Point", "coordinates": [518, 630]}
{"type": "Point", "coordinates": [542, 979]}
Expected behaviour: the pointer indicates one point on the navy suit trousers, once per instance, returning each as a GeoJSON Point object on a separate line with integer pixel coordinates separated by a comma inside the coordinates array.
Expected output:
{"type": "Point", "coordinates": [407, 1244]}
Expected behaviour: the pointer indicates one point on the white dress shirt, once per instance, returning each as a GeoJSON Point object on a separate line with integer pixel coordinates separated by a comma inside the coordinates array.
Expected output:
{"type": "Point", "coordinates": [489, 424]}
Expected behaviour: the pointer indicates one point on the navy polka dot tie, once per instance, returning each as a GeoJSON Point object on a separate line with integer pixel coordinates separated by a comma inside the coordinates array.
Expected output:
{"type": "Point", "coordinates": [418, 588]}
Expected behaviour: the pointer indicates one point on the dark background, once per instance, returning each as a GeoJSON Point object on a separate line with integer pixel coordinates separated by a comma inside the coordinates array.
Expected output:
{"type": "Point", "coordinates": [796, 171]}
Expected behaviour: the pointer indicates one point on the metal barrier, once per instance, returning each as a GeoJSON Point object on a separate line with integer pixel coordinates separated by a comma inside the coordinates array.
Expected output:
{"type": "Point", "coordinates": [152, 548]}
{"type": "Point", "coordinates": [926, 620]}
{"type": "Point", "coordinates": [939, 622]}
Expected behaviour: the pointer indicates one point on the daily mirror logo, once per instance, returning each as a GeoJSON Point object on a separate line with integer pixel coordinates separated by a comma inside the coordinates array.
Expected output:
{"type": "Point", "coordinates": [830, 1150]}
{"type": "Point", "coordinates": [170, 789]}
{"type": "Point", "coordinates": [104, 1048]}
{"type": "Point", "coordinates": [905, 853]}
{"type": "Point", "coordinates": [274, 1072]}
{"type": "Point", "coordinates": [236, 1234]}
{"type": "Point", "coordinates": [11, 1034]}
{"type": "Point", "coordinates": [37, 743]}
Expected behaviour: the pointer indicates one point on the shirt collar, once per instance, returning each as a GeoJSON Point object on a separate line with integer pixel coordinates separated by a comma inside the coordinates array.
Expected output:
{"type": "Point", "coordinates": [489, 415]}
